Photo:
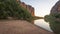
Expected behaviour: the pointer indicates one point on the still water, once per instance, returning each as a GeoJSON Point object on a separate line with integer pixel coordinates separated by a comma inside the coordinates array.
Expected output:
{"type": "Point", "coordinates": [43, 24]}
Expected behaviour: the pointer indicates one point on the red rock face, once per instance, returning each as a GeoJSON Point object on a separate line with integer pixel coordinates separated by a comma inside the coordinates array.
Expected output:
{"type": "Point", "coordinates": [23, 4]}
{"type": "Point", "coordinates": [58, 8]}
{"type": "Point", "coordinates": [28, 7]}
{"type": "Point", "coordinates": [17, 0]}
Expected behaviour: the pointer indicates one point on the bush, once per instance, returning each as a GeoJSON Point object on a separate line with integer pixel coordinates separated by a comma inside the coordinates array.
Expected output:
{"type": "Point", "coordinates": [54, 21]}
{"type": "Point", "coordinates": [11, 8]}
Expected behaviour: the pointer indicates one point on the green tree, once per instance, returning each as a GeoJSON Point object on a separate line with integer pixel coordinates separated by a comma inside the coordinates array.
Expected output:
{"type": "Point", "coordinates": [54, 21]}
{"type": "Point", "coordinates": [11, 8]}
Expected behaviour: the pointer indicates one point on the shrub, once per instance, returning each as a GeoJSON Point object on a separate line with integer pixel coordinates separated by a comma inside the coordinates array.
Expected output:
{"type": "Point", "coordinates": [11, 8]}
{"type": "Point", "coordinates": [54, 21]}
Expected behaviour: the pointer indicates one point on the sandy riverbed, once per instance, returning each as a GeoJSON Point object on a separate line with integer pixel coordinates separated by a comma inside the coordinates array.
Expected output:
{"type": "Point", "coordinates": [20, 27]}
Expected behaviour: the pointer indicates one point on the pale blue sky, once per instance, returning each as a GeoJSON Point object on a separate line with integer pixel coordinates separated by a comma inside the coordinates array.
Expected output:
{"type": "Point", "coordinates": [42, 7]}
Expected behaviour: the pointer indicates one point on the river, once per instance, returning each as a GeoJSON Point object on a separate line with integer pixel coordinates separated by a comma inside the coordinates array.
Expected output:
{"type": "Point", "coordinates": [43, 24]}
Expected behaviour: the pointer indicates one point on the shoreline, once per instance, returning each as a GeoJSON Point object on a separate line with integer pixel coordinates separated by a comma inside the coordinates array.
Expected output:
{"type": "Point", "coordinates": [42, 28]}
{"type": "Point", "coordinates": [20, 27]}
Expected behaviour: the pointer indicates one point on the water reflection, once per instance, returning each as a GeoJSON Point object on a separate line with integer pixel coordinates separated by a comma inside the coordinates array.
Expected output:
{"type": "Point", "coordinates": [43, 24]}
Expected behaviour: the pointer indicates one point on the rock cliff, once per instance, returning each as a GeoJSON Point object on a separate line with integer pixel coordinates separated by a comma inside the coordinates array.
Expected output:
{"type": "Point", "coordinates": [56, 8]}
{"type": "Point", "coordinates": [28, 7]}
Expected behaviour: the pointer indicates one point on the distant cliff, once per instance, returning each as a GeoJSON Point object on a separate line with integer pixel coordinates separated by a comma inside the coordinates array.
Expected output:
{"type": "Point", "coordinates": [28, 7]}
{"type": "Point", "coordinates": [56, 8]}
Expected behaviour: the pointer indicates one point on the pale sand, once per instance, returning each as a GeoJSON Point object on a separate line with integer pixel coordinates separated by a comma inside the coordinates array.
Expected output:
{"type": "Point", "coordinates": [20, 27]}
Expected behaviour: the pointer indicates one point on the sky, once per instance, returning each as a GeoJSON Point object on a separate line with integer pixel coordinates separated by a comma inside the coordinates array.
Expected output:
{"type": "Point", "coordinates": [42, 7]}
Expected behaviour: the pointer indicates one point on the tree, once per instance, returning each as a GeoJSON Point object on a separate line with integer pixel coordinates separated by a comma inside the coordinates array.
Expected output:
{"type": "Point", "coordinates": [54, 21]}
{"type": "Point", "coordinates": [11, 8]}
